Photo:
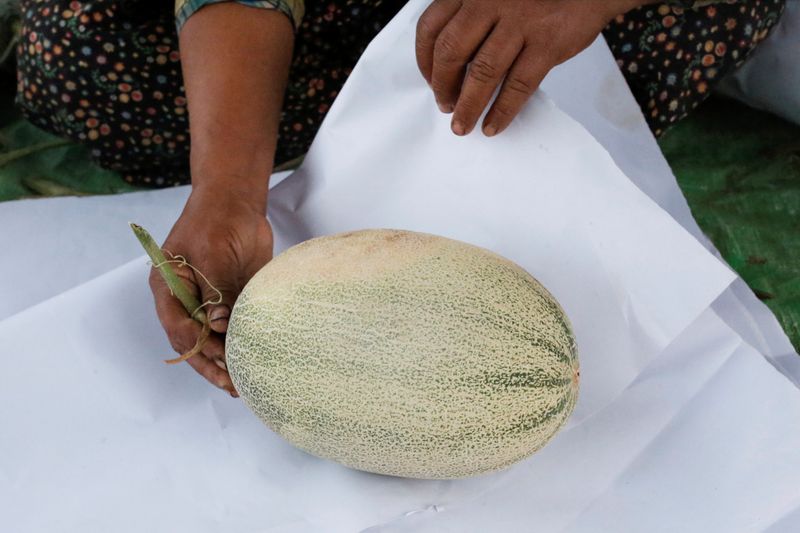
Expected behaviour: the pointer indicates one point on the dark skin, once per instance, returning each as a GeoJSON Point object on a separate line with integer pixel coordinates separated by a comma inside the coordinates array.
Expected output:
{"type": "Point", "coordinates": [223, 230]}
{"type": "Point", "coordinates": [511, 44]}
{"type": "Point", "coordinates": [231, 52]}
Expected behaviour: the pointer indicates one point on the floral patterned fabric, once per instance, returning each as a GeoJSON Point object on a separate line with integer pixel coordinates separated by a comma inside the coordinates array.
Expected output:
{"type": "Point", "coordinates": [106, 73]}
{"type": "Point", "coordinates": [672, 56]}
{"type": "Point", "coordinates": [294, 9]}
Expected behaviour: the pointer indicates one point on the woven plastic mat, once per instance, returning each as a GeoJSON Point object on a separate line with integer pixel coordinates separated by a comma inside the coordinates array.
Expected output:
{"type": "Point", "coordinates": [740, 171]}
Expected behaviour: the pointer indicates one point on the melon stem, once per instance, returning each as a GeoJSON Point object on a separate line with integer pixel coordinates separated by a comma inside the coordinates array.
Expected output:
{"type": "Point", "coordinates": [173, 281]}
{"type": "Point", "coordinates": [176, 286]}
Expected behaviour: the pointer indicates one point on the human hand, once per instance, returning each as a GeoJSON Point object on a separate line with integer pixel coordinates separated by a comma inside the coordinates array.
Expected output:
{"type": "Point", "coordinates": [227, 238]}
{"type": "Point", "coordinates": [513, 43]}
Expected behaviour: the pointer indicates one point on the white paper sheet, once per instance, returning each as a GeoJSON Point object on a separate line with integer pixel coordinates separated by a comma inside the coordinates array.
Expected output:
{"type": "Point", "coordinates": [43, 233]}
{"type": "Point", "coordinates": [98, 424]}
{"type": "Point", "coordinates": [111, 439]}
{"type": "Point", "coordinates": [544, 194]}
{"type": "Point", "coordinates": [604, 105]}
{"type": "Point", "coordinates": [688, 447]}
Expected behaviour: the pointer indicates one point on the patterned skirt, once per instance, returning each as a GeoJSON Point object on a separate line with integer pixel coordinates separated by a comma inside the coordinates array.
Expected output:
{"type": "Point", "coordinates": [106, 73]}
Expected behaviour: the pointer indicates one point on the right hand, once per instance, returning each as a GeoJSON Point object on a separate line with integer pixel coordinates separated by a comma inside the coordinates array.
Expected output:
{"type": "Point", "coordinates": [228, 239]}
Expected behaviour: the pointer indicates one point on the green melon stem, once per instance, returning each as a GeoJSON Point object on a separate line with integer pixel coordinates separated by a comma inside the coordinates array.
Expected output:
{"type": "Point", "coordinates": [173, 281]}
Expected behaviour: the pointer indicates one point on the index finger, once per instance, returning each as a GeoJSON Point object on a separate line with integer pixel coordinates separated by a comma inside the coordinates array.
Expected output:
{"type": "Point", "coordinates": [429, 26]}
{"type": "Point", "coordinates": [181, 329]}
{"type": "Point", "coordinates": [213, 373]}
{"type": "Point", "coordinates": [522, 81]}
{"type": "Point", "coordinates": [484, 75]}
{"type": "Point", "coordinates": [456, 45]}
{"type": "Point", "coordinates": [183, 332]}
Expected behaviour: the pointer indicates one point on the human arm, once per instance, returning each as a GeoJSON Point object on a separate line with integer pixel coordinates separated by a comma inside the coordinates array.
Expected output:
{"type": "Point", "coordinates": [235, 63]}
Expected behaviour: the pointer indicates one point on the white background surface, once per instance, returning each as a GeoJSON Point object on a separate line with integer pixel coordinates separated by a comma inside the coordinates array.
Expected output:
{"type": "Point", "coordinates": [100, 435]}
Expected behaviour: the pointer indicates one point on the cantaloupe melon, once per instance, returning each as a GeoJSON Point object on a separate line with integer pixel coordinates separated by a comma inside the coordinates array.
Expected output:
{"type": "Point", "coordinates": [403, 353]}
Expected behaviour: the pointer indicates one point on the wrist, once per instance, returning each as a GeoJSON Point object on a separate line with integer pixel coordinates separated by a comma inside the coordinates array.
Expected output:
{"type": "Point", "coordinates": [229, 177]}
{"type": "Point", "coordinates": [232, 191]}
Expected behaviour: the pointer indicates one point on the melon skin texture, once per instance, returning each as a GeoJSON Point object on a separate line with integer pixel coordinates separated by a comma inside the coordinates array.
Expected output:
{"type": "Point", "coordinates": [404, 354]}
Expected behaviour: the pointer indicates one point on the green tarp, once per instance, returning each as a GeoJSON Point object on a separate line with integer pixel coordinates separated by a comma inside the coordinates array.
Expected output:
{"type": "Point", "coordinates": [740, 171]}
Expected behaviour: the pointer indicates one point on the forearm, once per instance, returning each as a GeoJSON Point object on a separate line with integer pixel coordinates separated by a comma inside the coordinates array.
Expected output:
{"type": "Point", "coordinates": [235, 64]}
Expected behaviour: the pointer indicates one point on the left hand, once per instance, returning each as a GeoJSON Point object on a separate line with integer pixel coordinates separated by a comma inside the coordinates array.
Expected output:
{"type": "Point", "coordinates": [513, 42]}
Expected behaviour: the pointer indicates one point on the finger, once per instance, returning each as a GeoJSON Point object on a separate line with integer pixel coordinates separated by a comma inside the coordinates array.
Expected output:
{"type": "Point", "coordinates": [182, 331]}
{"type": "Point", "coordinates": [219, 316]}
{"type": "Point", "coordinates": [429, 25]}
{"type": "Point", "coordinates": [457, 43]}
{"type": "Point", "coordinates": [523, 80]}
{"type": "Point", "coordinates": [483, 76]}
{"type": "Point", "coordinates": [211, 372]}
{"type": "Point", "coordinates": [223, 293]}
{"type": "Point", "coordinates": [214, 349]}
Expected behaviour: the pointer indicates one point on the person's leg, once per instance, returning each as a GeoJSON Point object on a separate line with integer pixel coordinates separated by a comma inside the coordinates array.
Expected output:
{"type": "Point", "coordinates": [107, 74]}
{"type": "Point", "coordinates": [673, 57]}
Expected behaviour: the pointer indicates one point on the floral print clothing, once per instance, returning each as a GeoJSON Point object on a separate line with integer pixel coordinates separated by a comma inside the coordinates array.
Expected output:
{"type": "Point", "coordinates": [294, 9]}
{"type": "Point", "coordinates": [106, 73]}
{"type": "Point", "coordinates": [672, 56]}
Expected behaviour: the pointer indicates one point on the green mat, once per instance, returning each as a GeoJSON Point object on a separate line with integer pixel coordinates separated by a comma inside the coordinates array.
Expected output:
{"type": "Point", "coordinates": [32, 162]}
{"type": "Point", "coordinates": [739, 169]}
{"type": "Point", "coordinates": [35, 163]}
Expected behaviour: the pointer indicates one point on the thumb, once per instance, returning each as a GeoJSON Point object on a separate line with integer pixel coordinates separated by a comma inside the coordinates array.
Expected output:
{"type": "Point", "coordinates": [220, 311]}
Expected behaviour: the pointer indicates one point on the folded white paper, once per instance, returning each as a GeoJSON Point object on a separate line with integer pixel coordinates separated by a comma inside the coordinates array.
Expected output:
{"type": "Point", "coordinates": [691, 446]}
{"type": "Point", "coordinates": [112, 440]}
{"type": "Point", "coordinates": [544, 194]}
{"type": "Point", "coordinates": [100, 435]}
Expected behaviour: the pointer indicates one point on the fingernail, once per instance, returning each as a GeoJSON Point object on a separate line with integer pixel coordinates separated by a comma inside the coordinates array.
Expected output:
{"type": "Point", "coordinates": [490, 130]}
{"type": "Point", "coordinates": [221, 364]}
{"type": "Point", "coordinates": [458, 128]}
{"type": "Point", "coordinates": [445, 108]}
{"type": "Point", "coordinates": [219, 313]}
